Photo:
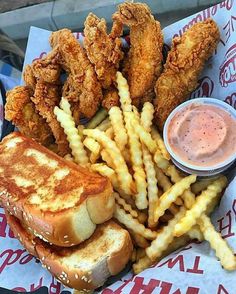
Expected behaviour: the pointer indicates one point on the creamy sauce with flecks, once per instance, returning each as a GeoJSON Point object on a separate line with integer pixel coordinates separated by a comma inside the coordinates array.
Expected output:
{"type": "Point", "coordinates": [202, 134]}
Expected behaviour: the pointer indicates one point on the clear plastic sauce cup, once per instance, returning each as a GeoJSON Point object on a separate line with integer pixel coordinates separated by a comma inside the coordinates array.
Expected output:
{"type": "Point", "coordinates": [200, 135]}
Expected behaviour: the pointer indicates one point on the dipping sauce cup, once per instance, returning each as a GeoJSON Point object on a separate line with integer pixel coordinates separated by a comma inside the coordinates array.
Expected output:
{"type": "Point", "coordinates": [200, 135]}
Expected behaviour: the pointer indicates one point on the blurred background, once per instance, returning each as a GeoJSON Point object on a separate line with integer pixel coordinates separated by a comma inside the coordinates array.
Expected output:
{"type": "Point", "coordinates": [16, 17]}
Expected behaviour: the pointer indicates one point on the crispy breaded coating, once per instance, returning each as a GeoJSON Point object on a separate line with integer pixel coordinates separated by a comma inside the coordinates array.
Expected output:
{"type": "Point", "coordinates": [82, 77]}
{"type": "Point", "coordinates": [104, 51]}
{"type": "Point", "coordinates": [48, 68]}
{"type": "Point", "coordinates": [110, 98]}
{"type": "Point", "coordinates": [46, 97]}
{"type": "Point", "coordinates": [21, 111]}
{"type": "Point", "coordinates": [184, 64]}
{"type": "Point", "coordinates": [28, 77]}
{"type": "Point", "coordinates": [143, 64]}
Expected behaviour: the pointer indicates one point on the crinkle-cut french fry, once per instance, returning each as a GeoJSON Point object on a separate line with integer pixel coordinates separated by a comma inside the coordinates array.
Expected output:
{"type": "Point", "coordinates": [110, 133]}
{"type": "Point", "coordinates": [195, 233]}
{"type": "Point", "coordinates": [123, 90]}
{"type": "Point", "coordinates": [200, 206]}
{"type": "Point", "coordinates": [117, 123]}
{"type": "Point", "coordinates": [170, 196]}
{"type": "Point", "coordinates": [97, 119]}
{"type": "Point", "coordinates": [106, 171]}
{"type": "Point", "coordinates": [211, 206]}
{"type": "Point", "coordinates": [142, 217]}
{"type": "Point", "coordinates": [173, 209]}
{"type": "Point", "coordinates": [140, 253]}
{"type": "Point", "coordinates": [139, 240]}
{"type": "Point", "coordinates": [65, 106]}
{"type": "Point", "coordinates": [164, 237]}
{"type": "Point", "coordinates": [201, 185]}
{"type": "Point", "coordinates": [134, 144]}
{"type": "Point", "coordinates": [94, 147]}
{"type": "Point", "coordinates": [68, 157]}
{"type": "Point", "coordinates": [152, 186]}
{"type": "Point", "coordinates": [160, 143]}
{"type": "Point", "coordinates": [104, 125]}
{"type": "Point", "coordinates": [74, 139]}
{"type": "Point", "coordinates": [147, 116]}
{"type": "Point", "coordinates": [124, 177]}
{"type": "Point", "coordinates": [127, 207]}
{"type": "Point", "coordinates": [133, 224]}
{"type": "Point", "coordinates": [103, 169]}
{"type": "Point", "coordinates": [137, 163]}
{"type": "Point", "coordinates": [145, 262]}
{"type": "Point", "coordinates": [162, 179]}
{"type": "Point", "coordinates": [142, 264]}
{"type": "Point", "coordinates": [222, 249]}
{"type": "Point", "coordinates": [107, 158]}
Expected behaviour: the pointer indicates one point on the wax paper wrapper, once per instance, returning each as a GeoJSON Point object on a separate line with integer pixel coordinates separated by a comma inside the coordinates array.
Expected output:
{"type": "Point", "coordinates": [193, 269]}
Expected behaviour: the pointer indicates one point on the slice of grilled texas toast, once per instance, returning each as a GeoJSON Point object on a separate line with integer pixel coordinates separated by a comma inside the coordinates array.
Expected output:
{"type": "Point", "coordinates": [59, 200]}
{"type": "Point", "coordinates": [85, 266]}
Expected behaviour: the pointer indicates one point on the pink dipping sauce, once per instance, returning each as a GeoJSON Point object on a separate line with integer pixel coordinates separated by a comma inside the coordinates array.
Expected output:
{"type": "Point", "coordinates": [202, 134]}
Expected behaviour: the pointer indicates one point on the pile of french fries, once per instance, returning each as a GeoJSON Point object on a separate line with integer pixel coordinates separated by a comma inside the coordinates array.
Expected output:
{"type": "Point", "coordinates": [160, 207]}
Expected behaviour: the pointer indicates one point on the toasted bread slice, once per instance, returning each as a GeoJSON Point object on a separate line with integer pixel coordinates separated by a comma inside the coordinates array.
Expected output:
{"type": "Point", "coordinates": [85, 266]}
{"type": "Point", "coordinates": [61, 201]}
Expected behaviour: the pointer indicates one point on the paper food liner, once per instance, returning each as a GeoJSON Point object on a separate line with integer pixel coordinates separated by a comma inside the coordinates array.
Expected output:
{"type": "Point", "coordinates": [191, 270]}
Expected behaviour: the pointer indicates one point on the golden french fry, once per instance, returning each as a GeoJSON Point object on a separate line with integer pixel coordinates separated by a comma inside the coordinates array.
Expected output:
{"type": "Point", "coordinates": [195, 233]}
{"type": "Point", "coordinates": [173, 209]}
{"type": "Point", "coordinates": [139, 240]}
{"type": "Point", "coordinates": [164, 237]}
{"type": "Point", "coordinates": [137, 164]}
{"type": "Point", "coordinates": [222, 249]}
{"type": "Point", "coordinates": [133, 224]}
{"type": "Point", "coordinates": [200, 206]}
{"type": "Point", "coordinates": [104, 125]}
{"type": "Point", "coordinates": [74, 139]}
{"type": "Point", "coordinates": [117, 123]}
{"type": "Point", "coordinates": [93, 147]}
{"type": "Point", "coordinates": [134, 144]}
{"type": "Point", "coordinates": [201, 185]}
{"type": "Point", "coordinates": [162, 179]}
{"type": "Point", "coordinates": [160, 143]}
{"type": "Point", "coordinates": [147, 116]}
{"type": "Point", "coordinates": [152, 186]}
{"type": "Point", "coordinates": [140, 253]}
{"type": "Point", "coordinates": [142, 264]}
{"type": "Point", "coordinates": [142, 217]}
{"type": "Point", "coordinates": [97, 119]}
{"type": "Point", "coordinates": [110, 133]}
{"type": "Point", "coordinates": [124, 177]}
{"type": "Point", "coordinates": [127, 207]}
{"type": "Point", "coordinates": [103, 169]}
{"type": "Point", "coordinates": [123, 90]}
{"type": "Point", "coordinates": [65, 106]}
{"type": "Point", "coordinates": [107, 158]}
{"type": "Point", "coordinates": [170, 196]}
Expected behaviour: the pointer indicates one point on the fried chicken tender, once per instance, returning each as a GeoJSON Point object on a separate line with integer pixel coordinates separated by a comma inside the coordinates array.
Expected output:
{"type": "Point", "coordinates": [82, 85]}
{"type": "Point", "coordinates": [28, 77]}
{"type": "Point", "coordinates": [48, 68]}
{"type": "Point", "coordinates": [184, 64]}
{"type": "Point", "coordinates": [21, 111]}
{"type": "Point", "coordinates": [110, 98]}
{"type": "Point", "coordinates": [143, 64]}
{"type": "Point", "coordinates": [104, 51]}
{"type": "Point", "coordinates": [46, 97]}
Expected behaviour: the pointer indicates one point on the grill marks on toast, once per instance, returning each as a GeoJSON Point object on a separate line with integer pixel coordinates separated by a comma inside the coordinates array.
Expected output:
{"type": "Point", "coordinates": [36, 178]}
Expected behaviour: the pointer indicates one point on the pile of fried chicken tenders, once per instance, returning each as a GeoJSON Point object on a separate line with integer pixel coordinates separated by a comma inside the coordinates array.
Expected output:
{"type": "Point", "coordinates": [126, 94]}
